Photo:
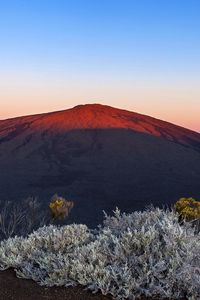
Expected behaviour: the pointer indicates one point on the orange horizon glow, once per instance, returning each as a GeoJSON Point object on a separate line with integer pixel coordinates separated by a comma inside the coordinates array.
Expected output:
{"type": "Point", "coordinates": [176, 102]}
{"type": "Point", "coordinates": [142, 56]}
{"type": "Point", "coordinates": [178, 118]}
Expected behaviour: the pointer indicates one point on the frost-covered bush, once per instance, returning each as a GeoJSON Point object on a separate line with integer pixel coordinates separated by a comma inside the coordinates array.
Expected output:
{"type": "Point", "coordinates": [44, 251]}
{"type": "Point", "coordinates": [143, 253]}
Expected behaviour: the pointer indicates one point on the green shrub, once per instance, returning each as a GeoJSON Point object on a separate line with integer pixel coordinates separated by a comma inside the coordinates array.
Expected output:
{"type": "Point", "coordinates": [60, 207]}
{"type": "Point", "coordinates": [188, 208]}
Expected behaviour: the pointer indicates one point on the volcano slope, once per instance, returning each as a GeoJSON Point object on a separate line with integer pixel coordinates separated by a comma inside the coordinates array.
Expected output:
{"type": "Point", "coordinates": [100, 157]}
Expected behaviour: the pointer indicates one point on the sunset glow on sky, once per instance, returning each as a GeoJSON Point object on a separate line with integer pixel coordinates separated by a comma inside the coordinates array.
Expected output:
{"type": "Point", "coordinates": [142, 55]}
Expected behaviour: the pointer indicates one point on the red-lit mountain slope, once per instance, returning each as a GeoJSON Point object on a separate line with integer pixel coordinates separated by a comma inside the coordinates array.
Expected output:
{"type": "Point", "coordinates": [94, 116]}
{"type": "Point", "coordinates": [99, 156]}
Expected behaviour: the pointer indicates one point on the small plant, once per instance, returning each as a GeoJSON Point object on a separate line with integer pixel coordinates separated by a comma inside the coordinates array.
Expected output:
{"type": "Point", "coordinates": [60, 207]}
{"type": "Point", "coordinates": [21, 218]}
{"type": "Point", "coordinates": [188, 208]}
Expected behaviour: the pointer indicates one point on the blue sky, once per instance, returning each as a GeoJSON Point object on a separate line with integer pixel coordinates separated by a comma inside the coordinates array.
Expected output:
{"type": "Point", "coordinates": [146, 53]}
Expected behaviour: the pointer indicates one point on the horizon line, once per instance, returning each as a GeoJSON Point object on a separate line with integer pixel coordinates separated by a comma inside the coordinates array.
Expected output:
{"type": "Point", "coordinates": [99, 104]}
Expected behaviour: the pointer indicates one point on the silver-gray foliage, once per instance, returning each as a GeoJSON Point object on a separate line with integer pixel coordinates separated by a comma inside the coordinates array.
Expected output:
{"type": "Point", "coordinates": [143, 253]}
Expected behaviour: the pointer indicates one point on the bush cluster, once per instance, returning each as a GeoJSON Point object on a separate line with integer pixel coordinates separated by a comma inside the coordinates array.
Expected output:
{"type": "Point", "coordinates": [21, 218]}
{"type": "Point", "coordinates": [144, 253]}
{"type": "Point", "coordinates": [60, 207]}
{"type": "Point", "coordinates": [188, 208]}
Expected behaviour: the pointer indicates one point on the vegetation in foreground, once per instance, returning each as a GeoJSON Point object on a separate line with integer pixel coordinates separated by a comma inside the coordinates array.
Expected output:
{"type": "Point", "coordinates": [24, 217]}
{"type": "Point", "coordinates": [147, 253]}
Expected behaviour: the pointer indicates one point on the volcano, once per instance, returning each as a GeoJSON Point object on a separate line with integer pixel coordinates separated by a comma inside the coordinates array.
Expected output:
{"type": "Point", "coordinates": [100, 157]}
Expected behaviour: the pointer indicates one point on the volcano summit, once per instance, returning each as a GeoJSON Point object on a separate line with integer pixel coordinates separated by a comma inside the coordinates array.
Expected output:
{"type": "Point", "coordinates": [100, 157]}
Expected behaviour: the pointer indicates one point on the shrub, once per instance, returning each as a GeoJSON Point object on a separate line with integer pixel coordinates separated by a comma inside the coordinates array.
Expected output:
{"type": "Point", "coordinates": [21, 218]}
{"type": "Point", "coordinates": [188, 208]}
{"type": "Point", "coordinates": [60, 207]}
{"type": "Point", "coordinates": [144, 253]}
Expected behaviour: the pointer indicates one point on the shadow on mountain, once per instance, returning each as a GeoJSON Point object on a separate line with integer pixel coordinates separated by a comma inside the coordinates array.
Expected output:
{"type": "Point", "coordinates": [98, 169]}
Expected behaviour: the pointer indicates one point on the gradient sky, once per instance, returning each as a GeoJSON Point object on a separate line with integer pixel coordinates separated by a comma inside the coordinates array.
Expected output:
{"type": "Point", "coordinates": [140, 55]}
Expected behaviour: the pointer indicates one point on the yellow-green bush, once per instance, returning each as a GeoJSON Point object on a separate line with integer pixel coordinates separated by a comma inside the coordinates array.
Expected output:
{"type": "Point", "coordinates": [60, 207]}
{"type": "Point", "coordinates": [188, 208]}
